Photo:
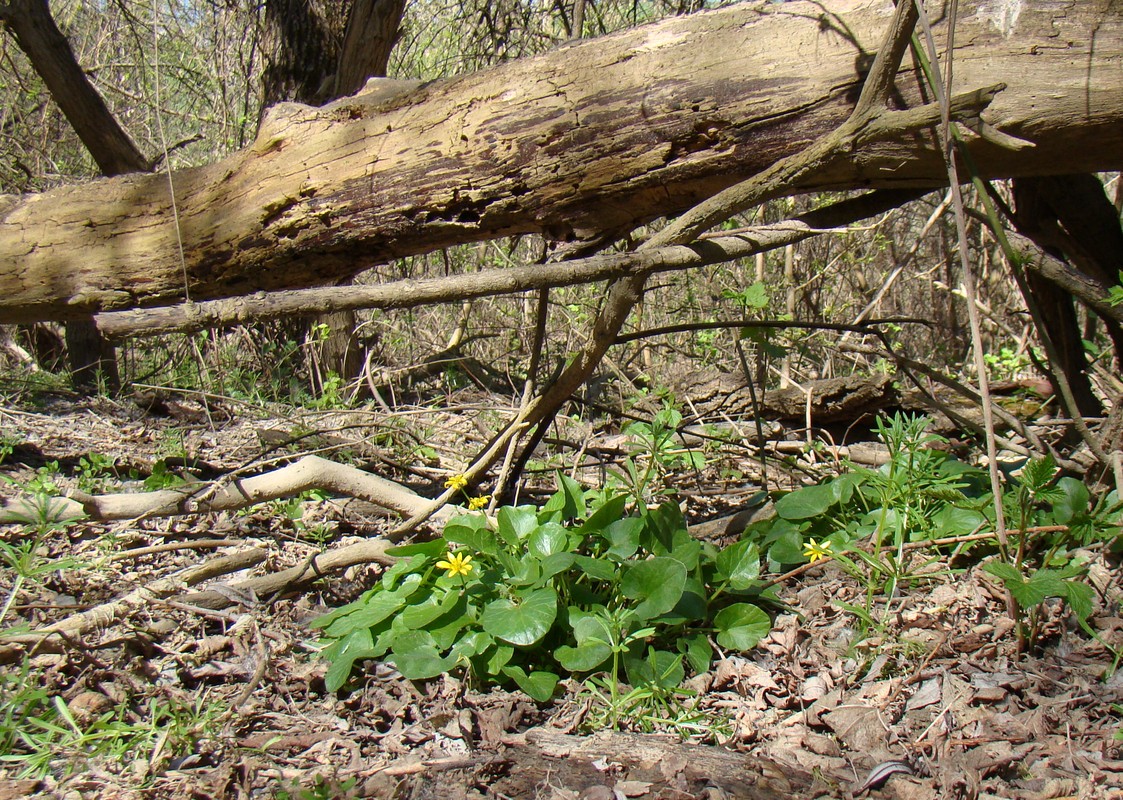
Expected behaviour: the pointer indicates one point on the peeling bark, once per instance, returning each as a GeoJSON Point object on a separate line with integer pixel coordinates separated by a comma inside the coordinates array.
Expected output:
{"type": "Point", "coordinates": [587, 139]}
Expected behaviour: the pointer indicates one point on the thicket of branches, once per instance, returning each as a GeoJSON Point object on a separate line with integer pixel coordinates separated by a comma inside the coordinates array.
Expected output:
{"type": "Point", "coordinates": [184, 78]}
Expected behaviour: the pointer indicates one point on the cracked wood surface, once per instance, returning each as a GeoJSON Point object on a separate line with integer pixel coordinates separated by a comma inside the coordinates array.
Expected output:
{"type": "Point", "coordinates": [591, 137]}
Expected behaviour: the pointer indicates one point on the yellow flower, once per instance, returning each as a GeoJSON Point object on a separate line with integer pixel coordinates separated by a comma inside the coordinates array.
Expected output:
{"type": "Point", "coordinates": [456, 482]}
{"type": "Point", "coordinates": [816, 550]}
{"type": "Point", "coordinates": [456, 564]}
{"type": "Point", "coordinates": [476, 503]}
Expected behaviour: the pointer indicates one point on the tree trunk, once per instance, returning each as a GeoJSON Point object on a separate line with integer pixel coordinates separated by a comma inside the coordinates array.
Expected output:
{"type": "Point", "coordinates": [313, 58]}
{"type": "Point", "coordinates": [1071, 218]}
{"type": "Point", "coordinates": [49, 52]}
{"type": "Point", "coordinates": [91, 360]}
{"type": "Point", "coordinates": [585, 140]}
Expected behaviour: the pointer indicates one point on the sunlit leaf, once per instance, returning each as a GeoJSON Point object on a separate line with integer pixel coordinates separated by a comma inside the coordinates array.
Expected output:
{"type": "Point", "coordinates": [657, 583]}
{"type": "Point", "coordinates": [741, 626]}
{"type": "Point", "coordinates": [739, 563]}
{"type": "Point", "coordinates": [538, 684]}
{"type": "Point", "coordinates": [521, 620]}
{"type": "Point", "coordinates": [547, 539]}
{"type": "Point", "coordinates": [810, 501]}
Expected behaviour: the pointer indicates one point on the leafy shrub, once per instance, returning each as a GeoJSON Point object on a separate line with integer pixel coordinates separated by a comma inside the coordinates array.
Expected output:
{"type": "Point", "coordinates": [565, 589]}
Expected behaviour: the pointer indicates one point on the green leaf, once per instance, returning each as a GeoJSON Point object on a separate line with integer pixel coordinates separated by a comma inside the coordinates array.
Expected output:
{"type": "Point", "coordinates": [805, 503]}
{"type": "Point", "coordinates": [755, 295]}
{"type": "Point", "coordinates": [499, 659]}
{"type": "Point", "coordinates": [422, 662]}
{"type": "Point", "coordinates": [698, 650]}
{"type": "Point", "coordinates": [418, 615]}
{"type": "Point", "coordinates": [584, 657]}
{"type": "Point", "coordinates": [1073, 502]}
{"type": "Point", "coordinates": [355, 646]}
{"type": "Point", "coordinates": [558, 562]}
{"type": "Point", "coordinates": [569, 500]}
{"type": "Point", "coordinates": [739, 563]}
{"type": "Point", "coordinates": [471, 645]}
{"type": "Point", "coordinates": [1032, 591]}
{"type": "Point", "coordinates": [687, 550]}
{"type": "Point", "coordinates": [657, 583]}
{"type": "Point", "coordinates": [527, 572]}
{"type": "Point", "coordinates": [538, 684]}
{"type": "Point", "coordinates": [623, 537]}
{"type": "Point", "coordinates": [1002, 570]}
{"type": "Point", "coordinates": [612, 510]}
{"type": "Point", "coordinates": [600, 569]}
{"type": "Point", "coordinates": [955, 521]}
{"type": "Point", "coordinates": [741, 626]}
{"type": "Point", "coordinates": [660, 527]}
{"type": "Point", "coordinates": [1079, 597]}
{"type": "Point", "coordinates": [472, 533]}
{"type": "Point", "coordinates": [378, 607]}
{"type": "Point", "coordinates": [521, 620]}
{"type": "Point", "coordinates": [788, 547]}
{"type": "Point", "coordinates": [659, 667]}
{"type": "Point", "coordinates": [547, 539]}
{"type": "Point", "coordinates": [593, 647]}
{"type": "Point", "coordinates": [1037, 473]}
{"type": "Point", "coordinates": [433, 549]}
{"type": "Point", "coordinates": [516, 523]}
{"type": "Point", "coordinates": [844, 485]}
{"type": "Point", "coordinates": [401, 569]}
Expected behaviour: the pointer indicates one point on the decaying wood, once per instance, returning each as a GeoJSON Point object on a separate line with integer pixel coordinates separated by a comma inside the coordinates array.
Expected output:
{"type": "Point", "coordinates": [650, 766]}
{"type": "Point", "coordinates": [591, 137]}
{"type": "Point", "coordinates": [52, 637]}
{"type": "Point", "coordinates": [310, 472]}
{"type": "Point", "coordinates": [412, 293]}
{"type": "Point", "coordinates": [265, 586]}
{"type": "Point", "coordinates": [831, 400]}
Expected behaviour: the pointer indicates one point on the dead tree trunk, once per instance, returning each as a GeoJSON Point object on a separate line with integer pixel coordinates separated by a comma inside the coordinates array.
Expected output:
{"type": "Point", "coordinates": [90, 358]}
{"type": "Point", "coordinates": [587, 139]}
{"type": "Point", "coordinates": [1071, 218]}
{"type": "Point", "coordinates": [318, 52]}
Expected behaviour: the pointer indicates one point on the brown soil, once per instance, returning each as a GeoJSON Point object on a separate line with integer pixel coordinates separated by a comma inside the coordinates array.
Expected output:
{"type": "Point", "coordinates": [938, 703]}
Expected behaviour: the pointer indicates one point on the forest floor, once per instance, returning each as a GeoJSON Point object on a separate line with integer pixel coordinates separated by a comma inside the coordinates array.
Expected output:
{"type": "Point", "coordinates": [168, 699]}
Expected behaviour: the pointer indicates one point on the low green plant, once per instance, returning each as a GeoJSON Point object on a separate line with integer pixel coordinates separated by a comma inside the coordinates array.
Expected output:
{"type": "Point", "coordinates": [7, 445]}
{"type": "Point", "coordinates": [874, 521]}
{"type": "Point", "coordinates": [95, 470]}
{"type": "Point", "coordinates": [866, 518]}
{"type": "Point", "coordinates": [655, 452]}
{"type": "Point", "coordinates": [27, 565]}
{"type": "Point", "coordinates": [321, 789]}
{"type": "Point", "coordinates": [1054, 515]}
{"type": "Point", "coordinates": [1007, 363]}
{"type": "Point", "coordinates": [564, 589]}
{"type": "Point", "coordinates": [162, 478]}
{"type": "Point", "coordinates": [41, 514]}
{"type": "Point", "coordinates": [42, 735]}
{"type": "Point", "coordinates": [1115, 293]}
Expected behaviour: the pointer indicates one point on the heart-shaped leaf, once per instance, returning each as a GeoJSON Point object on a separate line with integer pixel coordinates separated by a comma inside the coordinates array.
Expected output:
{"type": "Point", "coordinates": [739, 564]}
{"type": "Point", "coordinates": [378, 607]}
{"type": "Point", "coordinates": [659, 667]}
{"type": "Point", "coordinates": [547, 539]}
{"type": "Point", "coordinates": [521, 620]}
{"type": "Point", "coordinates": [539, 685]}
{"type": "Point", "coordinates": [657, 583]}
{"type": "Point", "coordinates": [422, 663]}
{"type": "Point", "coordinates": [740, 626]}
{"type": "Point", "coordinates": [584, 657]}
{"type": "Point", "coordinates": [344, 653]}
{"type": "Point", "coordinates": [810, 501]}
